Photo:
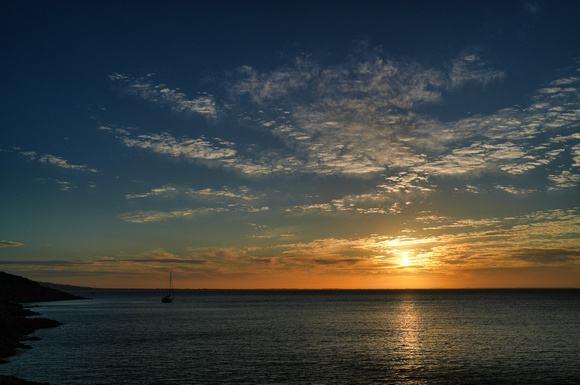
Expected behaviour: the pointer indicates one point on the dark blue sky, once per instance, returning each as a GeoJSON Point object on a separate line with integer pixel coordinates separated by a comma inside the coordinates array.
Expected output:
{"type": "Point", "coordinates": [291, 144]}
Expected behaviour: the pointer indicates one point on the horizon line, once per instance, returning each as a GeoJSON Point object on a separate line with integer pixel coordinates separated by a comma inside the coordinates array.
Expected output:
{"type": "Point", "coordinates": [341, 289]}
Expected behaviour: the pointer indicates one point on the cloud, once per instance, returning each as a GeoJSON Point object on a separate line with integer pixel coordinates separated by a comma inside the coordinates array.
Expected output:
{"type": "Point", "coordinates": [157, 216]}
{"type": "Point", "coordinates": [515, 140]}
{"type": "Point", "coordinates": [63, 185]}
{"type": "Point", "coordinates": [212, 152]}
{"type": "Point", "coordinates": [144, 88]}
{"type": "Point", "coordinates": [44, 263]}
{"type": "Point", "coordinates": [196, 149]}
{"type": "Point", "coordinates": [269, 232]}
{"type": "Point", "coordinates": [547, 256]}
{"type": "Point", "coordinates": [564, 180]}
{"type": "Point", "coordinates": [515, 191]}
{"type": "Point", "coordinates": [246, 200]}
{"type": "Point", "coordinates": [241, 193]}
{"type": "Point", "coordinates": [471, 68]}
{"type": "Point", "coordinates": [187, 213]}
{"type": "Point", "coordinates": [212, 201]}
{"type": "Point", "coordinates": [359, 119]}
{"type": "Point", "coordinates": [10, 244]}
{"type": "Point", "coordinates": [144, 265]}
{"type": "Point", "coordinates": [54, 161]}
{"type": "Point", "coordinates": [436, 245]}
{"type": "Point", "coordinates": [407, 182]}
{"type": "Point", "coordinates": [364, 120]}
{"type": "Point", "coordinates": [157, 192]}
{"type": "Point", "coordinates": [167, 260]}
{"type": "Point", "coordinates": [356, 118]}
{"type": "Point", "coordinates": [340, 120]}
{"type": "Point", "coordinates": [351, 119]}
{"type": "Point", "coordinates": [157, 256]}
{"type": "Point", "coordinates": [260, 87]}
{"type": "Point", "coordinates": [340, 261]}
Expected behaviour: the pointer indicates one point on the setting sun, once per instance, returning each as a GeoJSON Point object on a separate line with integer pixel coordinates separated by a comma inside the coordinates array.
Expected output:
{"type": "Point", "coordinates": [326, 162]}
{"type": "Point", "coordinates": [404, 259]}
{"type": "Point", "coordinates": [290, 192]}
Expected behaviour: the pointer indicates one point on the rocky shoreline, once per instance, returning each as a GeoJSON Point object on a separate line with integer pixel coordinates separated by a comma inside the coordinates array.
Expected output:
{"type": "Point", "coordinates": [11, 380]}
{"type": "Point", "coordinates": [15, 324]}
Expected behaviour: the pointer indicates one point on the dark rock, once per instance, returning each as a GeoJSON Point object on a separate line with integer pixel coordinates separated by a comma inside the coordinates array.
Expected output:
{"type": "Point", "coordinates": [19, 289]}
{"type": "Point", "coordinates": [14, 321]}
{"type": "Point", "coordinates": [65, 288]}
{"type": "Point", "coordinates": [30, 339]}
{"type": "Point", "coordinates": [13, 326]}
{"type": "Point", "coordinates": [11, 380]}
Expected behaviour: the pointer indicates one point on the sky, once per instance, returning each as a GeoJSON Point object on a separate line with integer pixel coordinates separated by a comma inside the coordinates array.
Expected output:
{"type": "Point", "coordinates": [291, 144]}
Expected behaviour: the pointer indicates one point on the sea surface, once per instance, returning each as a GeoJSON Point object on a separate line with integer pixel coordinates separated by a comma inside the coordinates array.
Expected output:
{"type": "Point", "coordinates": [308, 337]}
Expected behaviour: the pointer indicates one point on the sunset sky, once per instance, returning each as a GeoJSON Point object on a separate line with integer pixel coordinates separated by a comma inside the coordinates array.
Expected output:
{"type": "Point", "coordinates": [315, 144]}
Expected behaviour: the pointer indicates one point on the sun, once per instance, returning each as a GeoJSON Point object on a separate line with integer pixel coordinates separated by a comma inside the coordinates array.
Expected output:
{"type": "Point", "coordinates": [404, 259]}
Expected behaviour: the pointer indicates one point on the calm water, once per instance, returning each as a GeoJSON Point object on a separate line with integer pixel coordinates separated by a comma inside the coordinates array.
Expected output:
{"type": "Point", "coordinates": [309, 337]}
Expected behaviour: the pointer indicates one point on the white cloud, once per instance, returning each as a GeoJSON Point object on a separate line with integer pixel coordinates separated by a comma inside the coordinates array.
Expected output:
{"type": "Point", "coordinates": [470, 68]}
{"type": "Point", "coordinates": [227, 200]}
{"type": "Point", "coordinates": [197, 149]}
{"type": "Point", "coordinates": [157, 216]}
{"type": "Point", "coordinates": [360, 120]}
{"type": "Point", "coordinates": [317, 207]}
{"type": "Point", "coordinates": [212, 152]}
{"type": "Point", "coordinates": [515, 140]}
{"type": "Point", "coordinates": [55, 161]}
{"type": "Point", "coordinates": [142, 216]}
{"type": "Point", "coordinates": [266, 86]}
{"type": "Point", "coordinates": [201, 149]}
{"type": "Point", "coordinates": [576, 155]}
{"type": "Point", "coordinates": [407, 182]}
{"type": "Point", "coordinates": [63, 185]}
{"type": "Point", "coordinates": [238, 194]}
{"type": "Point", "coordinates": [157, 192]}
{"type": "Point", "coordinates": [241, 193]}
{"type": "Point", "coordinates": [564, 180]}
{"type": "Point", "coordinates": [144, 88]}
{"type": "Point", "coordinates": [515, 191]}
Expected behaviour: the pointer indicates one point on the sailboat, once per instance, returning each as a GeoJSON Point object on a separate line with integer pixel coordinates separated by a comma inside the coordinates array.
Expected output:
{"type": "Point", "coordinates": [169, 298]}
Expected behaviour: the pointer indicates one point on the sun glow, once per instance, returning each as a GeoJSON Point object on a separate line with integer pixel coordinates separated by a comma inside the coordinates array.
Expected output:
{"type": "Point", "coordinates": [404, 261]}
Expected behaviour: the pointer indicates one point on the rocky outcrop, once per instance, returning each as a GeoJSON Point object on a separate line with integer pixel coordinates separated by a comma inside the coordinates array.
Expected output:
{"type": "Point", "coordinates": [11, 380]}
{"type": "Point", "coordinates": [19, 289]}
{"type": "Point", "coordinates": [15, 323]}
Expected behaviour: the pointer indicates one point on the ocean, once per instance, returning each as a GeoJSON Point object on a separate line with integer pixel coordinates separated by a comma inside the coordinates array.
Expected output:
{"type": "Point", "coordinates": [308, 337]}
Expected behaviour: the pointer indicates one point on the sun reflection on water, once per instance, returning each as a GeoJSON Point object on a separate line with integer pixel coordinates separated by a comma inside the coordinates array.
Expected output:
{"type": "Point", "coordinates": [408, 346]}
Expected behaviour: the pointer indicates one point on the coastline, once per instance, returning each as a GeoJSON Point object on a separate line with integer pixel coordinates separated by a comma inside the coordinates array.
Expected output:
{"type": "Point", "coordinates": [15, 324]}
{"type": "Point", "coordinates": [11, 380]}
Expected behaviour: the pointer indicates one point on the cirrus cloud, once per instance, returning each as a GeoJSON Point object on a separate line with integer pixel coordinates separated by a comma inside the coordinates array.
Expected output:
{"type": "Point", "coordinates": [10, 244]}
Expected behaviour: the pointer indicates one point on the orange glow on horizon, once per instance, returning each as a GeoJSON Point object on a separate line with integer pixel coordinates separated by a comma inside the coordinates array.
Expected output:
{"type": "Point", "coordinates": [403, 277]}
{"type": "Point", "coordinates": [452, 260]}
